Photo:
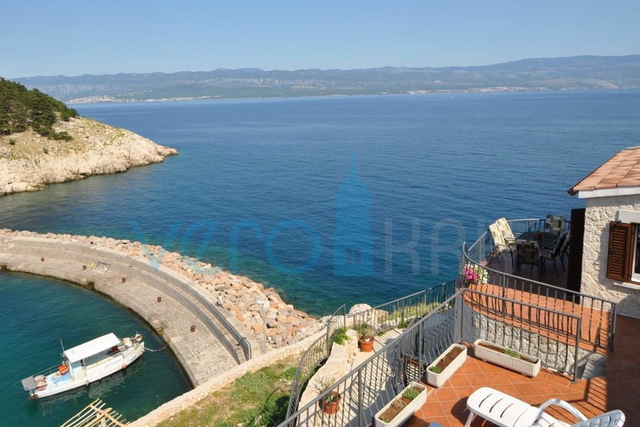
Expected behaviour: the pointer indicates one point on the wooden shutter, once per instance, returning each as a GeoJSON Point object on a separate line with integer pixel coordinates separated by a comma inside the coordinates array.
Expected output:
{"type": "Point", "coordinates": [620, 251]}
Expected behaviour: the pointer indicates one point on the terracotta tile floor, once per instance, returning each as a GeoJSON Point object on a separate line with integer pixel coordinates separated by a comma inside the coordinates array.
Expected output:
{"type": "Point", "coordinates": [618, 389]}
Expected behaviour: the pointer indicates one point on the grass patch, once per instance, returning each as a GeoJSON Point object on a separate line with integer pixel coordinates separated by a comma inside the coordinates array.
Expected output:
{"type": "Point", "coordinates": [257, 399]}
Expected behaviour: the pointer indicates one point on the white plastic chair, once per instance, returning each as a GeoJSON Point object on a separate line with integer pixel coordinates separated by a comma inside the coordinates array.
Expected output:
{"type": "Point", "coordinates": [507, 411]}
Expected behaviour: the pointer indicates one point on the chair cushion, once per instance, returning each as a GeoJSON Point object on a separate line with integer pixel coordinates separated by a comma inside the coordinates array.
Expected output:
{"type": "Point", "coordinates": [498, 239]}
{"type": "Point", "coordinates": [505, 229]}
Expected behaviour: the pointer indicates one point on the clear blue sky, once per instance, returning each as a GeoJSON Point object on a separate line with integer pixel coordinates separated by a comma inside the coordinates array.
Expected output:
{"type": "Point", "coordinates": [48, 37]}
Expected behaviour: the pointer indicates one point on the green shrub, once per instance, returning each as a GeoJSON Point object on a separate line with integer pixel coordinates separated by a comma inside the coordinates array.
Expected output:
{"type": "Point", "coordinates": [435, 369]}
{"type": "Point", "coordinates": [340, 336]}
{"type": "Point", "coordinates": [12, 141]}
{"type": "Point", "coordinates": [22, 109]}
{"type": "Point", "coordinates": [404, 323]}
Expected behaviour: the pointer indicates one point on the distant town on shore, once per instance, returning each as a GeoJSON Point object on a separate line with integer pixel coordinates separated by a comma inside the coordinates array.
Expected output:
{"type": "Point", "coordinates": [537, 74]}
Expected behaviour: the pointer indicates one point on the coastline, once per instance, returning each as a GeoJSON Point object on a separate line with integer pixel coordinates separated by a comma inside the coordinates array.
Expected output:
{"type": "Point", "coordinates": [29, 162]}
{"type": "Point", "coordinates": [111, 100]}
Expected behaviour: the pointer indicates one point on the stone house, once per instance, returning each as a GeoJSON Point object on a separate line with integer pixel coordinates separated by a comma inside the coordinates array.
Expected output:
{"type": "Point", "coordinates": [611, 240]}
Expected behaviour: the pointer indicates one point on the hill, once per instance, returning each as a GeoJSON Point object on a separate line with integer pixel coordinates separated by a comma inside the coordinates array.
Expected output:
{"type": "Point", "coordinates": [42, 141]}
{"type": "Point", "coordinates": [22, 109]}
{"type": "Point", "coordinates": [573, 73]}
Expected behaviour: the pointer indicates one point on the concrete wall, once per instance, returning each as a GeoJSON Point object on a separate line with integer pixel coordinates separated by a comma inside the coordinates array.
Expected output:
{"type": "Point", "coordinates": [599, 212]}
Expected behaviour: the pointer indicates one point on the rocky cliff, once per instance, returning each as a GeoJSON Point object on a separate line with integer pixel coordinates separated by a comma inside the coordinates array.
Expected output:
{"type": "Point", "coordinates": [28, 161]}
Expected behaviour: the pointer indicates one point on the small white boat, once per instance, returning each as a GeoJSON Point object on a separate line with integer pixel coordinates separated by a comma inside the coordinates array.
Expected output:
{"type": "Point", "coordinates": [85, 364]}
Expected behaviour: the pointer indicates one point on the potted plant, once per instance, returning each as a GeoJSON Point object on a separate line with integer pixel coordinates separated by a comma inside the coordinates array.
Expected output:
{"type": "Point", "coordinates": [474, 274]}
{"type": "Point", "coordinates": [402, 407]}
{"type": "Point", "coordinates": [366, 337]}
{"type": "Point", "coordinates": [507, 358]}
{"type": "Point", "coordinates": [446, 365]}
{"type": "Point", "coordinates": [330, 403]}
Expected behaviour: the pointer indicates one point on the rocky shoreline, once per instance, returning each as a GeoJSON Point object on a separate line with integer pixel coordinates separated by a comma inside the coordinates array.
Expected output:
{"type": "Point", "coordinates": [28, 161]}
{"type": "Point", "coordinates": [261, 310]}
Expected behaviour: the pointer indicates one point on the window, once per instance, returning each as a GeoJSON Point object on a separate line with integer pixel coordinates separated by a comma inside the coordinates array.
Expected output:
{"type": "Point", "coordinates": [623, 262]}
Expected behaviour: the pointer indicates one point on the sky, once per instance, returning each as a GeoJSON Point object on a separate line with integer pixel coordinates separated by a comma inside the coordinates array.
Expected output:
{"type": "Point", "coordinates": [62, 37]}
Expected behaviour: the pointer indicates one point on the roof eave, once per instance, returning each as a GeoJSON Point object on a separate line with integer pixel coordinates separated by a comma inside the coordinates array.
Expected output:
{"type": "Point", "coordinates": [607, 192]}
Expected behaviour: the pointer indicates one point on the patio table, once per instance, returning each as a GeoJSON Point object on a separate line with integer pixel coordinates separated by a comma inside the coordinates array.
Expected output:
{"type": "Point", "coordinates": [545, 240]}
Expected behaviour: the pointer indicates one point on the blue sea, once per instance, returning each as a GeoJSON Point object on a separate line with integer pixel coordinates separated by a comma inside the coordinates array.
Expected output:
{"type": "Point", "coordinates": [262, 178]}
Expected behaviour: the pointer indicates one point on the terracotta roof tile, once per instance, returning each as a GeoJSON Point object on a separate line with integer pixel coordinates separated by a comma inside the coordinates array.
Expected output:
{"type": "Point", "coordinates": [622, 170]}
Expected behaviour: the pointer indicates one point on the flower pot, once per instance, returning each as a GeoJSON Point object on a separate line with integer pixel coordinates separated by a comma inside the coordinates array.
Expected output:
{"type": "Point", "coordinates": [366, 344]}
{"type": "Point", "coordinates": [527, 365]}
{"type": "Point", "coordinates": [438, 379]}
{"type": "Point", "coordinates": [332, 406]}
{"type": "Point", "coordinates": [407, 412]}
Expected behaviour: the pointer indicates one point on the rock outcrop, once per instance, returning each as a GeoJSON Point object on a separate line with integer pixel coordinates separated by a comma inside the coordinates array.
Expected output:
{"type": "Point", "coordinates": [28, 161]}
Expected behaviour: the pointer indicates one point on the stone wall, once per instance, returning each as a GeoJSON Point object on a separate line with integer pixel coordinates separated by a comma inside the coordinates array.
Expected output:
{"type": "Point", "coordinates": [555, 354]}
{"type": "Point", "coordinates": [337, 366]}
{"type": "Point", "coordinates": [599, 212]}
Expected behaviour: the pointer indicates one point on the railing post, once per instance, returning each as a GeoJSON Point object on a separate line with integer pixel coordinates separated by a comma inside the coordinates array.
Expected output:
{"type": "Point", "coordinates": [420, 346]}
{"type": "Point", "coordinates": [361, 422]}
{"type": "Point", "coordinates": [612, 326]}
{"type": "Point", "coordinates": [577, 348]}
{"type": "Point", "coordinates": [462, 311]}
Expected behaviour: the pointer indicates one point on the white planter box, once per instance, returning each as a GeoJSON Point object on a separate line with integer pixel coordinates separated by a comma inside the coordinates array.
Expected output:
{"type": "Point", "coordinates": [498, 358]}
{"type": "Point", "coordinates": [438, 380]}
{"type": "Point", "coordinates": [407, 412]}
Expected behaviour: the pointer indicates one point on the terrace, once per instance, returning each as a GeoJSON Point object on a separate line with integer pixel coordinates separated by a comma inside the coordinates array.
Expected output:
{"type": "Point", "coordinates": [570, 332]}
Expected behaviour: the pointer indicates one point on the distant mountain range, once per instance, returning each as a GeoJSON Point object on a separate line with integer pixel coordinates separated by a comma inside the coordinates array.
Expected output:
{"type": "Point", "coordinates": [573, 73]}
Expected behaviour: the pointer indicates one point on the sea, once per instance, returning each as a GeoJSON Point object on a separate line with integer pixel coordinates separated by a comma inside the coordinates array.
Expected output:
{"type": "Point", "coordinates": [269, 188]}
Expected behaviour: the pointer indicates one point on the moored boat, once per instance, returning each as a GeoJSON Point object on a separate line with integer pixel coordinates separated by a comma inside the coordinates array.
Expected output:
{"type": "Point", "coordinates": [86, 363]}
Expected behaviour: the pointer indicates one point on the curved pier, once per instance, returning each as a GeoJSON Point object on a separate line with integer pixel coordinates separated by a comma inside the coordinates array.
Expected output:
{"type": "Point", "coordinates": [206, 339]}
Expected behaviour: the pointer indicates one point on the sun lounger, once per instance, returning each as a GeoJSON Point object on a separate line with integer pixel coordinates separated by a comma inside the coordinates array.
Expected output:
{"type": "Point", "coordinates": [507, 411]}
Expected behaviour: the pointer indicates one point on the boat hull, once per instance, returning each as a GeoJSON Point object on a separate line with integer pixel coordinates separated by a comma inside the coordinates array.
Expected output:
{"type": "Point", "coordinates": [57, 383]}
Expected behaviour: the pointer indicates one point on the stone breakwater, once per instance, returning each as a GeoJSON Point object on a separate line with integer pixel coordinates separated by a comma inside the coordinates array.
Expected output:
{"type": "Point", "coordinates": [261, 311]}
{"type": "Point", "coordinates": [28, 161]}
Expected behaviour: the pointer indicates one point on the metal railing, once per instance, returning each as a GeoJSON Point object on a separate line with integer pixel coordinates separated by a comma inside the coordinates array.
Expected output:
{"type": "Point", "coordinates": [398, 313]}
{"type": "Point", "coordinates": [313, 357]}
{"type": "Point", "coordinates": [401, 312]}
{"type": "Point", "coordinates": [551, 335]}
{"type": "Point", "coordinates": [598, 314]}
{"type": "Point", "coordinates": [370, 386]}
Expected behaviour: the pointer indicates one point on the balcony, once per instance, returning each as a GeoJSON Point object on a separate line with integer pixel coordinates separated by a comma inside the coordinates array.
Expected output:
{"type": "Point", "coordinates": [547, 290]}
{"type": "Point", "coordinates": [483, 252]}
{"type": "Point", "coordinates": [571, 333]}
{"type": "Point", "coordinates": [618, 388]}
